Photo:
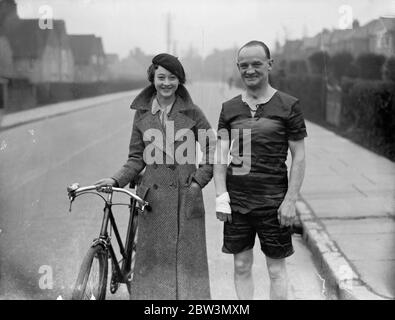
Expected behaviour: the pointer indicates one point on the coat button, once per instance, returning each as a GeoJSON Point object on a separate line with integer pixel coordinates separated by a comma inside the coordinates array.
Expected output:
{"type": "Point", "coordinates": [155, 186]}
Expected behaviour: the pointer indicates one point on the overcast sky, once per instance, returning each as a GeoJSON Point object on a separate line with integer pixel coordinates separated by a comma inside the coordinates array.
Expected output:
{"type": "Point", "coordinates": [203, 24]}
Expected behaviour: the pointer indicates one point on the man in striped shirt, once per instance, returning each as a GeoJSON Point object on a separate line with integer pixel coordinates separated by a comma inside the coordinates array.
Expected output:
{"type": "Point", "coordinates": [260, 200]}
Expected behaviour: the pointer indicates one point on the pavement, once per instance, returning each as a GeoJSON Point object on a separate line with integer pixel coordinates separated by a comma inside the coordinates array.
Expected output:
{"type": "Point", "coordinates": [10, 120]}
{"type": "Point", "coordinates": [347, 211]}
{"type": "Point", "coordinates": [346, 208]}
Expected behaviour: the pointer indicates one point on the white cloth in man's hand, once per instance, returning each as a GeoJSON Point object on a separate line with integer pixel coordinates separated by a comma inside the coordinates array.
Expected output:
{"type": "Point", "coordinates": [222, 203]}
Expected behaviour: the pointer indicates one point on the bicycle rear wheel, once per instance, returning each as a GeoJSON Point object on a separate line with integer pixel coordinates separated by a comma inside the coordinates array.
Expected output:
{"type": "Point", "coordinates": [92, 279]}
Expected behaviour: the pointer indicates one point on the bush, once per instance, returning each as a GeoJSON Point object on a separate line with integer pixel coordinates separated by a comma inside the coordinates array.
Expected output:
{"type": "Point", "coordinates": [370, 65]}
{"type": "Point", "coordinates": [368, 107]}
{"type": "Point", "coordinates": [58, 91]}
{"type": "Point", "coordinates": [297, 67]}
{"type": "Point", "coordinates": [389, 69]}
{"type": "Point", "coordinates": [352, 71]}
{"type": "Point", "coordinates": [340, 64]}
{"type": "Point", "coordinates": [319, 62]}
{"type": "Point", "coordinates": [310, 90]}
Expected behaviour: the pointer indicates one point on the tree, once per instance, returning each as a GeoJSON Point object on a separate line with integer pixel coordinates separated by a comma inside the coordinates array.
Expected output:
{"type": "Point", "coordinates": [370, 65]}
{"type": "Point", "coordinates": [319, 62]}
{"type": "Point", "coordinates": [340, 64]}
{"type": "Point", "coordinates": [297, 67]}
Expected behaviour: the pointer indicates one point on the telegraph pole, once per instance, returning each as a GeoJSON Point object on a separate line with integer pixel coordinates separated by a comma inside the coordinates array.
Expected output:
{"type": "Point", "coordinates": [168, 31]}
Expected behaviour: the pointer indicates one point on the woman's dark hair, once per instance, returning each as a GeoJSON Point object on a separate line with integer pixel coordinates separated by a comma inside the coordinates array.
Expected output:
{"type": "Point", "coordinates": [151, 74]}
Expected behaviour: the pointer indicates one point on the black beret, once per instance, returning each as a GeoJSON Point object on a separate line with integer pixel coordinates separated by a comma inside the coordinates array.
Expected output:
{"type": "Point", "coordinates": [170, 63]}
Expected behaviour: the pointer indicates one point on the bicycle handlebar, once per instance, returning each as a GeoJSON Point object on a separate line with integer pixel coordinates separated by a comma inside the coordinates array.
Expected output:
{"type": "Point", "coordinates": [75, 190]}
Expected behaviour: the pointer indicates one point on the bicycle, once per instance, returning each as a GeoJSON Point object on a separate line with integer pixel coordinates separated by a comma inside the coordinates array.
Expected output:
{"type": "Point", "coordinates": [91, 282]}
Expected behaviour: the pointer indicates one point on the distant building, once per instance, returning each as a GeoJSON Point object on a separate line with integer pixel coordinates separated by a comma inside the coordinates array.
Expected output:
{"type": "Point", "coordinates": [40, 55]}
{"type": "Point", "coordinates": [7, 12]}
{"type": "Point", "coordinates": [341, 41]}
{"type": "Point", "coordinates": [292, 50]}
{"type": "Point", "coordinates": [112, 58]}
{"type": "Point", "coordinates": [382, 36]}
{"type": "Point", "coordinates": [112, 61]}
{"type": "Point", "coordinates": [377, 36]}
{"type": "Point", "coordinates": [6, 70]}
{"type": "Point", "coordinates": [6, 63]}
{"type": "Point", "coordinates": [132, 67]}
{"type": "Point", "coordinates": [89, 58]}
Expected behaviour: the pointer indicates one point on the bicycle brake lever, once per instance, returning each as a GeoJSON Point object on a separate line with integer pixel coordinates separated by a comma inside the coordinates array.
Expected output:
{"type": "Point", "coordinates": [145, 207]}
{"type": "Point", "coordinates": [71, 202]}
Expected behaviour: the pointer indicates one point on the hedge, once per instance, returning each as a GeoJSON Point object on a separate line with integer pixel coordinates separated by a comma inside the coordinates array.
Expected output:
{"type": "Point", "coordinates": [59, 91]}
{"type": "Point", "coordinates": [368, 106]}
{"type": "Point", "coordinates": [309, 89]}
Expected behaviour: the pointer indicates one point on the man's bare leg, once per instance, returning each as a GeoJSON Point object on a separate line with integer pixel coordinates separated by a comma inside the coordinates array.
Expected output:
{"type": "Point", "coordinates": [243, 275]}
{"type": "Point", "coordinates": [278, 278]}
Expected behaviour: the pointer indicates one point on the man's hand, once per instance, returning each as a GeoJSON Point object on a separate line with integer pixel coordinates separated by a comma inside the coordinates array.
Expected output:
{"type": "Point", "coordinates": [223, 210]}
{"type": "Point", "coordinates": [225, 217]}
{"type": "Point", "coordinates": [286, 213]}
{"type": "Point", "coordinates": [194, 185]}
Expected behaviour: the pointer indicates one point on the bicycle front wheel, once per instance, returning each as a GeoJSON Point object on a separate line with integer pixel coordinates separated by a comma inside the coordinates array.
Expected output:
{"type": "Point", "coordinates": [91, 283]}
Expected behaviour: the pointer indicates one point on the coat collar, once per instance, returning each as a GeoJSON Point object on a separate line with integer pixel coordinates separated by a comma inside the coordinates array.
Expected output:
{"type": "Point", "coordinates": [179, 119]}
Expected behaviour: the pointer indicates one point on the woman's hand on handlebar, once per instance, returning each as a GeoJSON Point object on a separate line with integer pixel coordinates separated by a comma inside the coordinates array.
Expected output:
{"type": "Point", "coordinates": [105, 182]}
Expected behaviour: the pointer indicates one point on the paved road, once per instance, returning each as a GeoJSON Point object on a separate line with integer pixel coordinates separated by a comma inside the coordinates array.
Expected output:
{"type": "Point", "coordinates": [39, 238]}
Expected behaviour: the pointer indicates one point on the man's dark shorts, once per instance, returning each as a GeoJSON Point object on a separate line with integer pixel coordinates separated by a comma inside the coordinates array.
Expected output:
{"type": "Point", "coordinates": [239, 236]}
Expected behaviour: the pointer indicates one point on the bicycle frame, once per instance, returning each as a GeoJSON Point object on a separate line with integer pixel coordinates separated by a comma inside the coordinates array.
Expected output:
{"type": "Point", "coordinates": [105, 239]}
{"type": "Point", "coordinates": [102, 249]}
{"type": "Point", "coordinates": [120, 274]}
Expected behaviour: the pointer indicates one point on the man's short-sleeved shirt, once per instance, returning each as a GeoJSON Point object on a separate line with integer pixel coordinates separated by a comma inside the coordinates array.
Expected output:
{"type": "Point", "coordinates": [259, 148]}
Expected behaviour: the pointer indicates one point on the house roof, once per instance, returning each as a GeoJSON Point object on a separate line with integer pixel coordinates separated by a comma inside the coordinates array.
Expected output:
{"type": "Point", "coordinates": [388, 23]}
{"type": "Point", "coordinates": [27, 39]}
{"type": "Point", "coordinates": [370, 29]}
{"type": "Point", "coordinates": [339, 35]}
{"type": "Point", "coordinates": [85, 46]}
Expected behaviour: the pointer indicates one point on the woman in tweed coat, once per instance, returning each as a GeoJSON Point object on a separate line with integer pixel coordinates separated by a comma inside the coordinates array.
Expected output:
{"type": "Point", "coordinates": [171, 257]}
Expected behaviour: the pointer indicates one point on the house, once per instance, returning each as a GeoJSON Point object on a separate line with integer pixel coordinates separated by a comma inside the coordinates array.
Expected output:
{"type": "Point", "coordinates": [6, 70]}
{"type": "Point", "coordinates": [292, 50]}
{"type": "Point", "coordinates": [112, 58]}
{"type": "Point", "coordinates": [89, 58]}
{"type": "Point", "coordinates": [7, 12]}
{"type": "Point", "coordinates": [381, 33]}
{"type": "Point", "coordinates": [6, 64]}
{"type": "Point", "coordinates": [311, 45]}
{"type": "Point", "coordinates": [134, 66]}
{"type": "Point", "coordinates": [112, 61]}
{"type": "Point", "coordinates": [341, 41]}
{"type": "Point", "coordinates": [3, 94]}
{"type": "Point", "coordinates": [377, 36]}
{"type": "Point", "coordinates": [325, 40]}
{"type": "Point", "coordinates": [40, 55]}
